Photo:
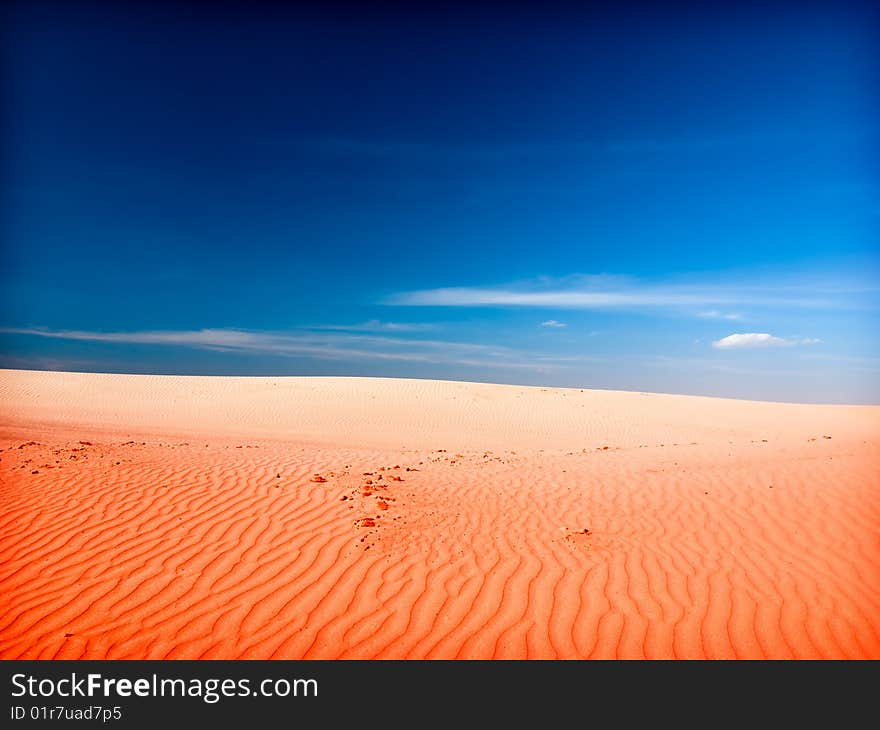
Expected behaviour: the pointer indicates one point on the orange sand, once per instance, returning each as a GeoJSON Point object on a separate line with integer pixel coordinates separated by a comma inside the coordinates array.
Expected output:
{"type": "Point", "coordinates": [148, 517]}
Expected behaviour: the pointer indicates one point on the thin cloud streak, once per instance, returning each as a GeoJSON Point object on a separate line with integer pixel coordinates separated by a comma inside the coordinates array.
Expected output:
{"type": "Point", "coordinates": [319, 345]}
{"type": "Point", "coordinates": [624, 298]}
{"type": "Point", "coordinates": [715, 314]}
{"type": "Point", "coordinates": [374, 325]}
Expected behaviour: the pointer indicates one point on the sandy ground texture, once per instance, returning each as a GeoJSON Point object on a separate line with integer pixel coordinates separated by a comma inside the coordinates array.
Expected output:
{"type": "Point", "coordinates": [149, 517]}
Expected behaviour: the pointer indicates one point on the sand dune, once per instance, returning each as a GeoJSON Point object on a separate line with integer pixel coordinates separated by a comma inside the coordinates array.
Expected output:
{"type": "Point", "coordinates": [175, 517]}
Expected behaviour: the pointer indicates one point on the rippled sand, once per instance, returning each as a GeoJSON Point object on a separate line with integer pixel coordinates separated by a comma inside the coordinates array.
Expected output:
{"type": "Point", "coordinates": [202, 517]}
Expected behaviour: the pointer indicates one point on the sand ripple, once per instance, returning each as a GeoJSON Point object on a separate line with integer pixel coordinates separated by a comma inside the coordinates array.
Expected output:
{"type": "Point", "coordinates": [757, 540]}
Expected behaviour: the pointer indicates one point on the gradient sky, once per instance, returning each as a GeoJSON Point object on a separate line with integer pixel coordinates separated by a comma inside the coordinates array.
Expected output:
{"type": "Point", "coordinates": [680, 202]}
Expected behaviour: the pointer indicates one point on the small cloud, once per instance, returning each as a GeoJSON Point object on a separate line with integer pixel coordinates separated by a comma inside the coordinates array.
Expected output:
{"type": "Point", "coordinates": [715, 314]}
{"type": "Point", "coordinates": [753, 340]}
{"type": "Point", "coordinates": [553, 323]}
{"type": "Point", "coordinates": [750, 339]}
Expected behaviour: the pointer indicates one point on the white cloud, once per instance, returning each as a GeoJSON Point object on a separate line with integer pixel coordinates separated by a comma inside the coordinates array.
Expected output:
{"type": "Point", "coordinates": [754, 340]}
{"type": "Point", "coordinates": [553, 323]}
{"type": "Point", "coordinates": [608, 292]}
{"type": "Point", "coordinates": [374, 325]}
{"type": "Point", "coordinates": [715, 314]}
{"type": "Point", "coordinates": [750, 339]}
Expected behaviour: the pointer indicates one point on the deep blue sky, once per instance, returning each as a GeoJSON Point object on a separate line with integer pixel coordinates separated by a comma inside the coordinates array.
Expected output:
{"type": "Point", "coordinates": [557, 197]}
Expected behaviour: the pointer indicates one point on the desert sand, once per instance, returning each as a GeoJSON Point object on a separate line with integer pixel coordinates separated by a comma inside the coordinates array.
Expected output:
{"type": "Point", "coordinates": [158, 517]}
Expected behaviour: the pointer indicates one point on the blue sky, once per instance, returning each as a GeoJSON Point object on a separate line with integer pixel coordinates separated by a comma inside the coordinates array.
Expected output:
{"type": "Point", "coordinates": [680, 202]}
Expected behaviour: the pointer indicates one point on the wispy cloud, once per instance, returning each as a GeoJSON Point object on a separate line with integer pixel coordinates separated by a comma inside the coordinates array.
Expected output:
{"type": "Point", "coordinates": [553, 323]}
{"type": "Point", "coordinates": [756, 340]}
{"type": "Point", "coordinates": [324, 345]}
{"type": "Point", "coordinates": [610, 293]}
{"type": "Point", "coordinates": [375, 325]}
{"type": "Point", "coordinates": [715, 314]}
